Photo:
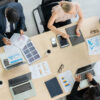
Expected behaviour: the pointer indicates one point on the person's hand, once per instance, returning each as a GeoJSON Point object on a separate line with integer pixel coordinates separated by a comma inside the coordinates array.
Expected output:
{"type": "Point", "coordinates": [21, 32]}
{"type": "Point", "coordinates": [6, 41]}
{"type": "Point", "coordinates": [64, 35]}
{"type": "Point", "coordinates": [78, 78]}
{"type": "Point", "coordinates": [78, 33]}
{"type": "Point", "coordinates": [89, 76]}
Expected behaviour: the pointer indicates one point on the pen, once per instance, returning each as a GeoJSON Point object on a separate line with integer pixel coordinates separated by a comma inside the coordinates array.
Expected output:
{"type": "Point", "coordinates": [73, 36]}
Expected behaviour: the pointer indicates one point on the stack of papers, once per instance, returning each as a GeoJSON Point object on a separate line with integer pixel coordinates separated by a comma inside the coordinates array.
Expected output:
{"type": "Point", "coordinates": [18, 40]}
{"type": "Point", "coordinates": [94, 45]}
{"type": "Point", "coordinates": [40, 70]}
{"type": "Point", "coordinates": [67, 80]}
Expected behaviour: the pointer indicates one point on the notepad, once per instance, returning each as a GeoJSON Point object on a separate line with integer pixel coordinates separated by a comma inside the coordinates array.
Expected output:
{"type": "Point", "coordinates": [73, 37]}
{"type": "Point", "coordinates": [53, 87]}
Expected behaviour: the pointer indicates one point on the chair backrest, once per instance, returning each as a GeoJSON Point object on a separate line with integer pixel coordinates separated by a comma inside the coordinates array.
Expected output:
{"type": "Point", "coordinates": [44, 2]}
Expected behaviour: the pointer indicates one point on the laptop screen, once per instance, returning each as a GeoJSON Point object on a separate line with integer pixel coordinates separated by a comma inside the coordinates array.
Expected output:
{"type": "Point", "coordinates": [85, 68]}
{"type": "Point", "coordinates": [20, 79]}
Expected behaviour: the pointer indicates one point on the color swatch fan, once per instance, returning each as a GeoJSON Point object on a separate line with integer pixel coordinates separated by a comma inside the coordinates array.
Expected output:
{"type": "Point", "coordinates": [30, 53]}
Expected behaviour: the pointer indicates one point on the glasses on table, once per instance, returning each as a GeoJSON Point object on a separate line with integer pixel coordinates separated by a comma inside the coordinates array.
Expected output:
{"type": "Point", "coordinates": [60, 68]}
{"type": "Point", "coordinates": [94, 31]}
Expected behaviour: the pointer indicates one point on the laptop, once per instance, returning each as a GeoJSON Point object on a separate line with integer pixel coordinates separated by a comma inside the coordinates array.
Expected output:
{"type": "Point", "coordinates": [82, 71]}
{"type": "Point", "coordinates": [7, 65]}
{"type": "Point", "coordinates": [21, 87]}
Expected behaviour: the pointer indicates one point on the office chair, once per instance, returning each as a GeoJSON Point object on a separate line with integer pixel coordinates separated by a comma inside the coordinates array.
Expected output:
{"type": "Point", "coordinates": [42, 15]}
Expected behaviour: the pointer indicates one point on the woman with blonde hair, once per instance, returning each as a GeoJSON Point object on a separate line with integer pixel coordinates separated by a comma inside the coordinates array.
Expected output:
{"type": "Point", "coordinates": [63, 12]}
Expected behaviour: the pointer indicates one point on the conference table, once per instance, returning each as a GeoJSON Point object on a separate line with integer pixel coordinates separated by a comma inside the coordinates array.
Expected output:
{"type": "Point", "coordinates": [72, 57]}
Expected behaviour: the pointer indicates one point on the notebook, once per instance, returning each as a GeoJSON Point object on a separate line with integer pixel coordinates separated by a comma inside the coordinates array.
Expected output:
{"type": "Point", "coordinates": [53, 87]}
{"type": "Point", "coordinates": [73, 37]}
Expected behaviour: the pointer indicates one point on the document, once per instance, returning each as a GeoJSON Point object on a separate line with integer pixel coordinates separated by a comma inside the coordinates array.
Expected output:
{"type": "Point", "coordinates": [67, 80]}
{"type": "Point", "coordinates": [13, 54]}
{"type": "Point", "coordinates": [94, 45]}
{"type": "Point", "coordinates": [97, 70]}
{"type": "Point", "coordinates": [40, 70]}
{"type": "Point", "coordinates": [18, 40]}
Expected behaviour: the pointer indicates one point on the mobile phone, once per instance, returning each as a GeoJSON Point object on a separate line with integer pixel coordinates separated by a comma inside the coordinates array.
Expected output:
{"type": "Point", "coordinates": [62, 41]}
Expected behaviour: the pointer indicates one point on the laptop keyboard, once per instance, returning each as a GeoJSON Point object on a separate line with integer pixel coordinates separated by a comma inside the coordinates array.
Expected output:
{"type": "Point", "coordinates": [83, 75]}
{"type": "Point", "coordinates": [22, 88]}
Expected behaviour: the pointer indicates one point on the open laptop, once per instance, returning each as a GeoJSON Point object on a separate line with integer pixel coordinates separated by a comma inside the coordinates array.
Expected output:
{"type": "Point", "coordinates": [21, 87]}
{"type": "Point", "coordinates": [7, 65]}
{"type": "Point", "coordinates": [82, 71]}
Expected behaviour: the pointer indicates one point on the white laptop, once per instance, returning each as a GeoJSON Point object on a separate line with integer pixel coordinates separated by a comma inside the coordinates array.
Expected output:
{"type": "Point", "coordinates": [21, 87]}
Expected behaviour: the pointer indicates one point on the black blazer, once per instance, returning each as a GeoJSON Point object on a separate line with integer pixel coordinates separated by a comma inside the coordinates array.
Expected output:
{"type": "Point", "coordinates": [19, 25]}
{"type": "Point", "coordinates": [82, 95]}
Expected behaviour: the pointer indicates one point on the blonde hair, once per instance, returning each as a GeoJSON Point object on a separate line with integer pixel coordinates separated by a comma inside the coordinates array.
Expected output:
{"type": "Point", "coordinates": [66, 7]}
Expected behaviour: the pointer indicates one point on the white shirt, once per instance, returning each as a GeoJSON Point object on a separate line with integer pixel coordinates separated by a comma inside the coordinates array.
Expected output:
{"type": "Point", "coordinates": [7, 26]}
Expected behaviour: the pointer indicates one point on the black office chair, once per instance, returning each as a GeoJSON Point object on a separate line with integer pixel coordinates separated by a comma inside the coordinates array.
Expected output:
{"type": "Point", "coordinates": [42, 15]}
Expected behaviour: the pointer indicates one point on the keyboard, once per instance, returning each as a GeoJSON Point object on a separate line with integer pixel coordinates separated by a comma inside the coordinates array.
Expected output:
{"type": "Point", "coordinates": [22, 88]}
{"type": "Point", "coordinates": [83, 74]}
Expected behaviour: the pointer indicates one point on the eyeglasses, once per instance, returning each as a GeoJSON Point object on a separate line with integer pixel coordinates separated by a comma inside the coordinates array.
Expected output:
{"type": "Point", "coordinates": [60, 68]}
{"type": "Point", "coordinates": [94, 31]}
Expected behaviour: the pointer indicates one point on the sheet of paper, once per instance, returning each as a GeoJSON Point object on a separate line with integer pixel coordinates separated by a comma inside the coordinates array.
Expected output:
{"type": "Point", "coordinates": [97, 70]}
{"type": "Point", "coordinates": [40, 70]}
{"type": "Point", "coordinates": [67, 80]}
{"type": "Point", "coordinates": [18, 40]}
{"type": "Point", "coordinates": [13, 54]}
{"type": "Point", "coordinates": [94, 45]}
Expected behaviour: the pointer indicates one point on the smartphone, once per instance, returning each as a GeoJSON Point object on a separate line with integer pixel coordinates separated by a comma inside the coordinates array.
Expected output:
{"type": "Point", "coordinates": [62, 41]}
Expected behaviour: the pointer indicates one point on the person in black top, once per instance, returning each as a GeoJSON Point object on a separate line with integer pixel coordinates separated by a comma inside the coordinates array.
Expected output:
{"type": "Point", "coordinates": [91, 93]}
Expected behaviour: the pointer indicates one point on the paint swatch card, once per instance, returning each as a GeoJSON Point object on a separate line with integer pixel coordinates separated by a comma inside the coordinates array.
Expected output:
{"type": "Point", "coordinates": [67, 80]}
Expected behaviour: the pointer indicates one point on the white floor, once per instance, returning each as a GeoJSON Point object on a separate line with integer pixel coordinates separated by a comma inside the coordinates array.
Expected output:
{"type": "Point", "coordinates": [89, 8]}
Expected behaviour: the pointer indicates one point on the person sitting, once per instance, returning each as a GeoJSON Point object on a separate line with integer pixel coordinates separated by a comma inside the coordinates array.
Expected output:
{"type": "Point", "coordinates": [12, 20]}
{"type": "Point", "coordinates": [63, 12]}
{"type": "Point", "coordinates": [91, 93]}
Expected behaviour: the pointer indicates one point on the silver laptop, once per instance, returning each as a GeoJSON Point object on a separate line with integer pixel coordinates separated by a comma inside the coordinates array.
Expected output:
{"type": "Point", "coordinates": [82, 71]}
{"type": "Point", "coordinates": [21, 87]}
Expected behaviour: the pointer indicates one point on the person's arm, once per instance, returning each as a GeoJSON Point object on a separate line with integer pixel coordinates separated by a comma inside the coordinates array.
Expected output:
{"type": "Point", "coordinates": [22, 20]}
{"type": "Point", "coordinates": [75, 87]}
{"type": "Point", "coordinates": [80, 14]}
{"type": "Point", "coordinates": [91, 79]}
{"type": "Point", "coordinates": [53, 28]}
{"type": "Point", "coordinates": [93, 82]}
{"type": "Point", "coordinates": [5, 40]}
{"type": "Point", "coordinates": [1, 36]}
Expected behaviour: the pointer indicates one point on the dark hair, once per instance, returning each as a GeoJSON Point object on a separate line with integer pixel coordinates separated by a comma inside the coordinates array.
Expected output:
{"type": "Point", "coordinates": [92, 93]}
{"type": "Point", "coordinates": [12, 15]}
